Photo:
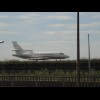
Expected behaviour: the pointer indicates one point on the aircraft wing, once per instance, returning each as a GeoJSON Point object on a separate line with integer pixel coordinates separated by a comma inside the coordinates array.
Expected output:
{"type": "Point", "coordinates": [39, 58]}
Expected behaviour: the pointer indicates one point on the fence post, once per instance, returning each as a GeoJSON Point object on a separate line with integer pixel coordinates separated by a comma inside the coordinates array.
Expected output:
{"type": "Point", "coordinates": [11, 81]}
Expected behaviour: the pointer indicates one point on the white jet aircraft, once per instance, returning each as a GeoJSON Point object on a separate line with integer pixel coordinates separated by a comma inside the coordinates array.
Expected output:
{"type": "Point", "coordinates": [1, 41]}
{"type": "Point", "coordinates": [22, 53]}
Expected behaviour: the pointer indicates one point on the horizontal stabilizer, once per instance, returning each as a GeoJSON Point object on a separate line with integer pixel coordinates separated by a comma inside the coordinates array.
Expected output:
{"type": "Point", "coordinates": [16, 50]}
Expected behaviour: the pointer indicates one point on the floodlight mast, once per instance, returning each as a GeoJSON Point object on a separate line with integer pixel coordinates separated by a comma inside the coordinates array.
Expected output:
{"type": "Point", "coordinates": [78, 54]}
{"type": "Point", "coordinates": [89, 55]}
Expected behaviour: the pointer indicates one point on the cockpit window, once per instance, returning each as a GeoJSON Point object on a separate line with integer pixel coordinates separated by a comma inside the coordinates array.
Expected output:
{"type": "Point", "coordinates": [62, 53]}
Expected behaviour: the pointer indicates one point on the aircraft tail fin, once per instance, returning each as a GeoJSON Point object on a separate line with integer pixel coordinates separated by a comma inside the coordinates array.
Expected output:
{"type": "Point", "coordinates": [17, 47]}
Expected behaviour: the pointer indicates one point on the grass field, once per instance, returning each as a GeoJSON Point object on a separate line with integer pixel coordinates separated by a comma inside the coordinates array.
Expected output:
{"type": "Point", "coordinates": [45, 72]}
{"type": "Point", "coordinates": [70, 66]}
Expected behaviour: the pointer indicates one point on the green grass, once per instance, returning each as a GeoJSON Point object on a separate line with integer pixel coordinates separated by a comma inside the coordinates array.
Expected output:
{"type": "Point", "coordinates": [70, 72]}
{"type": "Point", "coordinates": [45, 72]}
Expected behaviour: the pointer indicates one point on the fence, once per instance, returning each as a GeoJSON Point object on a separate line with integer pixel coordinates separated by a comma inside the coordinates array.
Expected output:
{"type": "Point", "coordinates": [47, 81]}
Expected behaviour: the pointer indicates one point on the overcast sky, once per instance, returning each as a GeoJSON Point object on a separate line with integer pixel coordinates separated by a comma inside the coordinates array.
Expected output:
{"type": "Point", "coordinates": [49, 32]}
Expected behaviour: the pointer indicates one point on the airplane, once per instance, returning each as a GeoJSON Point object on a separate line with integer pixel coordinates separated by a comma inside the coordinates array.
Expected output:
{"type": "Point", "coordinates": [22, 53]}
{"type": "Point", "coordinates": [1, 41]}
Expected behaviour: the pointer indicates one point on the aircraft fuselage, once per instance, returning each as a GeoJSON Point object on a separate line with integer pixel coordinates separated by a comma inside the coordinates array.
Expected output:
{"type": "Point", "coordinates": [42, 56]}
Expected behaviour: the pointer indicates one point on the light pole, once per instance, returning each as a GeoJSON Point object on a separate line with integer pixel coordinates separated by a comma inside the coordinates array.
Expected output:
{"type": "Point", "coordinates": [78, 54]}
{"type": "Point", "coordinates": [89, 54]}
